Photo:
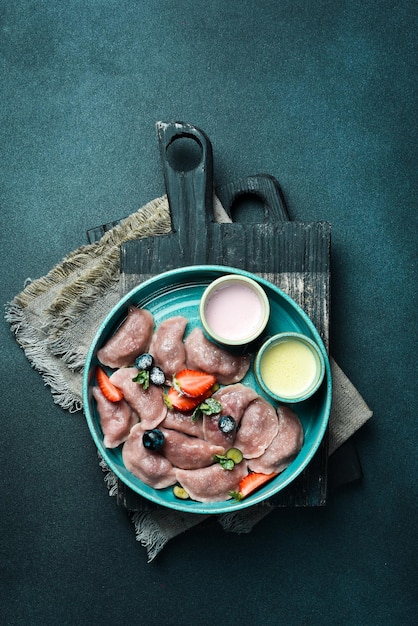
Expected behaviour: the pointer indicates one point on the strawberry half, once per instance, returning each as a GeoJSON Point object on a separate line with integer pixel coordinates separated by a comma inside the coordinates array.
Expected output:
{"type": "Point", "coordinates": [176, 400]}
{"type": "Point", "coordinates": [108, 389]}
{"type": "Point", "coordinates": [193, 383]}
{"type": "Point", "coordinates": [250, 483]}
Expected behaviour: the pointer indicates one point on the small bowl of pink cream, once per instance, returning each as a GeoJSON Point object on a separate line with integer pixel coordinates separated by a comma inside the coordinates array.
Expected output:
{"type": "Point", "coordinates": [234, 310]}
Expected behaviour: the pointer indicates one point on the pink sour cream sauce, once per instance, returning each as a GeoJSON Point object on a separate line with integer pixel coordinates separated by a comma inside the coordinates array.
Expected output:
{"type": "Point", "coordinates": [234, 311]}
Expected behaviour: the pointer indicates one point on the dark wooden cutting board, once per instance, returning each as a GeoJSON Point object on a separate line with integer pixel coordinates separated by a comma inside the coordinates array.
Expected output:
{"type": "Point", "coordinates": [294, 256]}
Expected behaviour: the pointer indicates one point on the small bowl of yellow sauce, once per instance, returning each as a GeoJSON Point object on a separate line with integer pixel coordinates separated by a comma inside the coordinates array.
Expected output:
{"type": "Point", "coordinates": [289, 367]}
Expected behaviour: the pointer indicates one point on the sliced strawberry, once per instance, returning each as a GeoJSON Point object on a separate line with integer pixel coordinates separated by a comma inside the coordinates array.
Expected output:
{"type": "Point", "coordinates": [176, 400]}
{"type": "Point", "coordinates": [250, 483]}
{"type": "Point", "coordinates": [193, 383]}
{"type": "Point", "coordinates": [108, 389]}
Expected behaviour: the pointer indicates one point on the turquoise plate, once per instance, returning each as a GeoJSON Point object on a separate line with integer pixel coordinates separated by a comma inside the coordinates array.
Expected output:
{"type": "Point", "coordinates": [178, 292]}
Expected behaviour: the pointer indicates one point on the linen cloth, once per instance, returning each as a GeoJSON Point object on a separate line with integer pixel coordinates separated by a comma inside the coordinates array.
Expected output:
{"type": "Point", "coordinates": [56, 317]}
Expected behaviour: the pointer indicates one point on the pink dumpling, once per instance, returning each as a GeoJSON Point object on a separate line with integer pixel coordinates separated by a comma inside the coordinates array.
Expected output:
{"type": "Point", "coordinates": [187, 452]}
{"type": "Point", "coordinates": [167, 345]}
{"type": "Point", "coordinates": [285, 445]}
{"type": "Point", "coordinates": [259, 425]}
{"type": "Point", "coordinates": [147, 403]}
{"type": "Point", "coordinates": [213, 483]}
{"type": "Point", "coordinates": [149, 466]}
{"type": "Point", "coordinates": [183, 423]}
{"type": "Point", "coordinates": [116, 419]}
{"type": "Point", "coordinates": [204, 355]}
{"type": "Point", "coordinates": [234, 400]}
{"type": "Point", "coordinates": [130, 340]}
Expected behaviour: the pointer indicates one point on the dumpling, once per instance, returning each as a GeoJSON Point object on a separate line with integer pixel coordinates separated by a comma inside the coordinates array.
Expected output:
{"type": "Point", "coordinates": [183, 423]}
{"type": "Point", "coordinates": [167, 345]}
{"type": "Point", "coordinates": [129, 341]}
{"type": "Point", "coordinates": [188, 452]}
{"type": "Point", "coordinates": [149, 466]}
{"type": "Point", "coordinates": [148, 404]}
{"type": "Point", "coordinates": [234, 400]}
{"type": "Point", "coordinates": [116, 419]}
{"type": "Point", "coordinates": [285, 445]}
{"type": "Point", "coordinates": [213, 483]}
{"type": "Point", "coordinates": [259, 425]}
{"type": "Point", "coordinates": [204, 355]}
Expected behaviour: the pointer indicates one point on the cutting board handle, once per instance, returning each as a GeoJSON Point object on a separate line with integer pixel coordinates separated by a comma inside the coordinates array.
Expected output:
{"type": "Point", "coordinates": [187, 162]}
{"type": "Point", "coordinates": [263, 187]}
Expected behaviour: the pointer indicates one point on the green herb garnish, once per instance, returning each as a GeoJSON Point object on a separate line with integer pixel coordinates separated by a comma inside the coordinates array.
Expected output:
{"type": "Point", "coordinates": [142, 378]}
{"type": "Point", "coordinates": [228, 461]}
{"type": "Point", "coordinates": [210, 406]}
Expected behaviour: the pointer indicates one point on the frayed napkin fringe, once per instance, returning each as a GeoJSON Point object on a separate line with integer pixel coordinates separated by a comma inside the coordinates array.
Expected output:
{"type": "Point", "coordinates": [76, 297]}
{"type": "Point", "coordinates": [110, 478]}
{"type": "Point", "coordinates": [148, 534]}
{"type": "Point", "coordinates": [37, 353]}
{"type": "Point", "coordinates": [72, 358]}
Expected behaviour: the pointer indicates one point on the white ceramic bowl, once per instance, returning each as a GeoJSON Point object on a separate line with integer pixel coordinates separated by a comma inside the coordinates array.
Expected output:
{"type": "Point", "coordinates": [289, 367]}
{"type": "Point", "coordinates": [234, 310]}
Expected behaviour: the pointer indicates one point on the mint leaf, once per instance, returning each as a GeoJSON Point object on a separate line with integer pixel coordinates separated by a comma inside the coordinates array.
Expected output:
{"type": "Point", "coordinates": [142, 378]}
{"type": "Point", "coordinates": [210, 406]}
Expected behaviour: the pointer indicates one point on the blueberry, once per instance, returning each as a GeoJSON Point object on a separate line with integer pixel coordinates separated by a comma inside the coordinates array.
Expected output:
{"type": "Point", "coordinates": [226, 424]}
{"type": "Point", "coordinates": [157, 376]}
{"type": "Point", "coordinates": [144, 362]}
{"type": "Point", "coordinates": [153, 439]}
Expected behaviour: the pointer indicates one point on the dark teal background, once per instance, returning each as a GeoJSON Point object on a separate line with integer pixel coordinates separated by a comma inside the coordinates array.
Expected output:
{"type": "Point", "coordinates": [322, 95]}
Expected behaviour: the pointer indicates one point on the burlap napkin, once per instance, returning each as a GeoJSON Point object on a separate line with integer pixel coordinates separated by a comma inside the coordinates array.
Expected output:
{"type": "Point", "coordinates": [56, 317]}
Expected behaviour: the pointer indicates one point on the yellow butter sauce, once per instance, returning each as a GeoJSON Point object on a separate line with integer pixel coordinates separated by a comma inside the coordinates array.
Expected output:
{"type": "Point", "coordinates": [289, 368]}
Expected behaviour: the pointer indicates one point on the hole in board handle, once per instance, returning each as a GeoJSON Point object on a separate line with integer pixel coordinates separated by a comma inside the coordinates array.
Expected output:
{"type": "Point", "coordinates": [248, 208]}
{"type": "Point", "coordinates": [184, 153]}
